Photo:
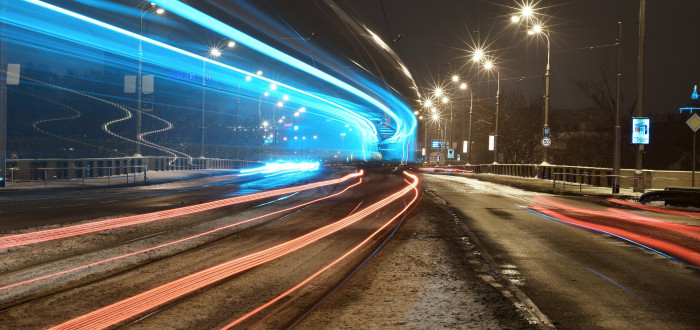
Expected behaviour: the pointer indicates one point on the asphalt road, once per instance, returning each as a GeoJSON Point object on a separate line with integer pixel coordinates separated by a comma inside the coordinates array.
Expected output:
{"type": "Point", "coordinates": [578, 278]}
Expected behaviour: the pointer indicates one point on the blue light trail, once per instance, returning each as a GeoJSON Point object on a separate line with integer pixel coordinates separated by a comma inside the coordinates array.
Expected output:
{"type": "Point", "coordinates": [343, 116]}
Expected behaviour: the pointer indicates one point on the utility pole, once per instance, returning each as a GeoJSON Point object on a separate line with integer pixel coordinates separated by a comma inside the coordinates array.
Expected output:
{"type": "Point", "coordinates": [639, 186]}
{"type": "Point", "coordinates": [618, 136]}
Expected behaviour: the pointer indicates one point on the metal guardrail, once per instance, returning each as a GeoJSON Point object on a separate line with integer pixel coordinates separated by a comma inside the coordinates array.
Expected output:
{"type": "Point", "coordinates": [106, 170]}
{"type": "Point", "coordinates": [591, 176]}
{"type": "Point", "coordinates": [119, 172]}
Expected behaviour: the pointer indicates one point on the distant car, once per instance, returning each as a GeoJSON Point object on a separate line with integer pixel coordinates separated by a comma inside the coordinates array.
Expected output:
{"type": "Point", "coordinates": [675, 196]}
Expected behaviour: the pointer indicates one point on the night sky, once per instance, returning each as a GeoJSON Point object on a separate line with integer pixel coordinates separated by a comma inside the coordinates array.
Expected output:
{"type": "Point", "coordinates": [437, 38]}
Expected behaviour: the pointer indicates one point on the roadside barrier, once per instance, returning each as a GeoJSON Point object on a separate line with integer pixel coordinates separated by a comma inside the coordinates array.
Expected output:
{"type": "Point", "coordinates": [107, 171]}
{"type": "Point", "coordinates": [563, 175]}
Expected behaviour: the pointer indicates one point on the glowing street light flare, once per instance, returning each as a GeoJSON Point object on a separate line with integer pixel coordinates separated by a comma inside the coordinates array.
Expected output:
{"type": "Point", "coordinates": [215, 52]}
{"type": "Point", "coordinates": [259, 73]}
{"type": "Point", "coordinates": [280, 104]}
{"type": "Point", "coordinates": [231, 44]}
{"type": "Point", "coordinates": [463, 86]}
{"type": "Point", "coordinates": [445, 99]}
{"type": "Point", "coordinates": [302, 109]}
{"type": "Point", "coordinates": [455, 78]}
{"type": "Point", "coordinates": [488, 65]}
{"type": "Point", "coordinates": [438, 92]}
{"type": "Point", "coordinates": [537, 28]}
{"type": "Point", "coordinates": [435, 116]}
{"type": "Point", "coordinates": [428, 103]}
{"type": "Point", "coordinates": [285, 98]}
{"type": "Point", "coordinates": [478, 55]}
{"type": "Point", "coordinates": [248, 78]}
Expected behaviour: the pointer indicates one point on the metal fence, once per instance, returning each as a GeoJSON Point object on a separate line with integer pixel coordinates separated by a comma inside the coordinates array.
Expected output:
{"type": "Point", "coordinates": [110, 170]}
{"type": "Point", "coordinates": [590, 176]}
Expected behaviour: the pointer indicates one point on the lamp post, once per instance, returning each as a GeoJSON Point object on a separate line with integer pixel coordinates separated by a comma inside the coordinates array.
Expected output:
{"type": "Point", "coordinates": [436, 119]}
{"type": "Point", "coordinates": [469, 134]}
{"type": "Point", "coordinates": [537, 29]}
{"type": "Point", "coordinates": [146, 7]}
{"type": "Point", "coordinates": [488, 65]}
{"type": "Point", "coordinates": [214, 52]}
{"type": "Point", "coordinates": [3, 98]}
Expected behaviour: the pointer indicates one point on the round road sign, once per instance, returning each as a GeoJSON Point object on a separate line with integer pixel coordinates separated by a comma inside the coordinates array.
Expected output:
{"type": "Point", "coordinates": [546, 142]}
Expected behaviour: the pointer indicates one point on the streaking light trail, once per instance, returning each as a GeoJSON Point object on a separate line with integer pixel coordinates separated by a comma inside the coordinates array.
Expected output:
{"type": "Point", "coordinates": [130, 307]}
{"type": "Point", "coordinates": [81, 229]}
{"type": "Point", "coordinates": [283, 166]}
{"type": "Point", "coordinates": [668, 239]}
{"type": "Point", "coordinates": [655, 209]}
{"type": "Point", "coordinates": [135, 253]}
{"type": "Point", "coordinates": [346, 104]}
{"type": "Point", "coordinates": [331, 264]}
{"type": "Point", "coordinates": [200, 18]}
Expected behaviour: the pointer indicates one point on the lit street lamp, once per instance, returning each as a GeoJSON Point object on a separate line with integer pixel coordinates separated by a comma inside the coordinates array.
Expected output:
{"type": "Point", "coordinates": [146, 7]}
{"type": "Point", "coordinates": [469, 134]}
{"type": "Point", "coordinates": [214, 52]}
{"type": "Point", "coordinates": [537, 29]}
{"type": "Point", "coordinates": [488, 65]}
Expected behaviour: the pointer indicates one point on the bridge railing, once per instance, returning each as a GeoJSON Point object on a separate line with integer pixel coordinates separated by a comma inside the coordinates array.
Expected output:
{"type": "Point", "coordinates": [79, 170]}
{"type": "Point", "coordinates": [592, 176]}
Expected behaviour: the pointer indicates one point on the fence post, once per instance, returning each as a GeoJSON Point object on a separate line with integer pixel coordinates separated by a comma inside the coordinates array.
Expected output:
{"type": "Point", "coordinates": [46, 177]}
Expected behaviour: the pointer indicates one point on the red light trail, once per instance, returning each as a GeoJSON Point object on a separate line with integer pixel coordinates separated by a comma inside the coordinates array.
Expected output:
{"type": "Point", "coordinates": [655, 209]}
{"type": "Point", "coordinates": [67, 271]}
{"type": "Point", "coordinates": [678, 240]}
{"type": "Point", "coordinates": [135, 305]}
{"type": "Point", "coordinates": [81, 229]}
{"type": "Point", "coordinates": [328, 266]}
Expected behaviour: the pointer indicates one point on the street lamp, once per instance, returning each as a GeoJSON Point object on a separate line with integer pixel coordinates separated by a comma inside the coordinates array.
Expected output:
{"type": "Point", "coordinates": [214, 52]}
{"type": "Point", "coordinates": [146, 7]}
{"type": "Point", "coordinates": [537, 29]}
{"type": "Point", "coordinates": [464, 86]}
{"type": "Point", "coordinates": [488, 65]}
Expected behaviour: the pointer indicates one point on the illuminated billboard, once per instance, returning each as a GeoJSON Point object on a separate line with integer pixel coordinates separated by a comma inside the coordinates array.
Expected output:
{"type": "Point", "coordinates": [640, 130]}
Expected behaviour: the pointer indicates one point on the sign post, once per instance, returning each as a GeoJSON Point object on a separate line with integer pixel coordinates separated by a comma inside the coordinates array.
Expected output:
{"type": "Point", "coordinates": [694, 124]}
{"type": "Point", "coordinates": [640, 136]}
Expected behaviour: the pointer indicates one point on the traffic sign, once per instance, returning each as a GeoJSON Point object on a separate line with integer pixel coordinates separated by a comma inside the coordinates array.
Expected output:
{"type": "Point", "coordinates": [545, 132]}
{"type": "Point", "coordinates": [546, 142]}
{"type": "Point", "coordinates": [694, 122]}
